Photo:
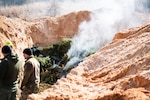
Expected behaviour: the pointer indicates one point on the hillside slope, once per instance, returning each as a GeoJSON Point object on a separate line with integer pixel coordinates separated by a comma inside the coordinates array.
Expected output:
{"type": "Point", "coordinates": [118, 71]}
{"type": "Point", "coordinates": [41, 32]}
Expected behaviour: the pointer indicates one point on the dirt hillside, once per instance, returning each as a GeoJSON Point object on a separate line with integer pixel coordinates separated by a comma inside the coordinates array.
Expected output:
{"type": "Point", "coordinates": [118, 71]}
{"type": "Point", "coordinates": [40, 32]}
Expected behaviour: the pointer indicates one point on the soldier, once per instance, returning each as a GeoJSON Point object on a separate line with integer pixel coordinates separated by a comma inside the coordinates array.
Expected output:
{"type": "Point", "coordinates": [31, 79]}
{"type": "Point", "coordinates": [10, 67]}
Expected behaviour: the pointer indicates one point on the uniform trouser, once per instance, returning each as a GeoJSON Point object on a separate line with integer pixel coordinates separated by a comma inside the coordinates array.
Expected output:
{"type": "Point", "coordinates": [27, 91]}
{"type": "Point", "coordinates": [24, 95]}
{"type": "Point", "coordinates": [8, 95]}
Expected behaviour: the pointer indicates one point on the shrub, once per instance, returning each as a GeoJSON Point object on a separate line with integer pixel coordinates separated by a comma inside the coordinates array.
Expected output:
{"type": "Point", "coordinates": [54, 57]}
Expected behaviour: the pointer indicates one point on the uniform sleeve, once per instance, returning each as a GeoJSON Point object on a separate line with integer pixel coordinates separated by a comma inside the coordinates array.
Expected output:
{"type": "Point", "coordinates": [3, 68]}
{"type": "Point", "coordinates": [28, 69]}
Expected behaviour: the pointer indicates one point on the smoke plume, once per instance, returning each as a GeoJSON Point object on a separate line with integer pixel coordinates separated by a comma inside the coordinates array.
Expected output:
{"type": "Point", "coordinates": [108, 17]}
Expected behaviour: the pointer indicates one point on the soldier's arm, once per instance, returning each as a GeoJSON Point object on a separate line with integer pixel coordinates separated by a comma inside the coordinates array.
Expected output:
{"type": "Point", "coordinates": [28, 69]}
{"type": "Point", "coordinates": [3, 68]}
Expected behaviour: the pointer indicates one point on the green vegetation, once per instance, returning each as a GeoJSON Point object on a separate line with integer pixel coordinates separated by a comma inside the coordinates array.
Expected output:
{"type": "Point", "coordinates": [58, 50]}
{"type": "Point", "coordinates": [53, 60]}
{"type": "Point", "coordinates": [44, 86]}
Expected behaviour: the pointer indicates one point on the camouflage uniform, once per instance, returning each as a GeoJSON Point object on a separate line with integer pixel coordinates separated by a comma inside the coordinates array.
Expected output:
{"type": "Point", "coordinates": [31, 80]}
{"type": "Point", "coordinates": [10, 67]}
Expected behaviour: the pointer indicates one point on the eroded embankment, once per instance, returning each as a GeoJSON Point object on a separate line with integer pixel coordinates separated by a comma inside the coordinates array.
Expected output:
{"type": "Point", "coordinates": [120, 70]}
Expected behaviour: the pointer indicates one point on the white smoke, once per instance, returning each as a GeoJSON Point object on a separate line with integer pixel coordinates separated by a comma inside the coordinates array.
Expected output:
{"type": "Point", "coordinates": [108, 17]}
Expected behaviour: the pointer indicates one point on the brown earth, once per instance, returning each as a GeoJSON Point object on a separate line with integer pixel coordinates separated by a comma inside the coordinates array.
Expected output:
{"type": "Point", "coordinates": [51, 30]}
{"type": "Point", "coordinates": [41, 32]}
{"type": "Point", "coordinates": [118, 71]}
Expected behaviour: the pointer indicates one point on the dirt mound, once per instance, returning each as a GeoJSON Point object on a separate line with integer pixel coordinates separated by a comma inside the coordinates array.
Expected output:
{"type": "Point", "coordinates": [118, 71]}
{"type": "Point", "coordinates": [15, 30]}
{"type": "Point", "coordinates": [41, 32]}
{"type": "Point", "coordinates": [51, 30]}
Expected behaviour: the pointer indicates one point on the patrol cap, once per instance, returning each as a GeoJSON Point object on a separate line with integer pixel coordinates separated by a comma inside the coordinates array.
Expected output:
{"type": "Point", "coordinates": [28, 51]}
{"type": "Point", "coordinates": [6, 49]}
